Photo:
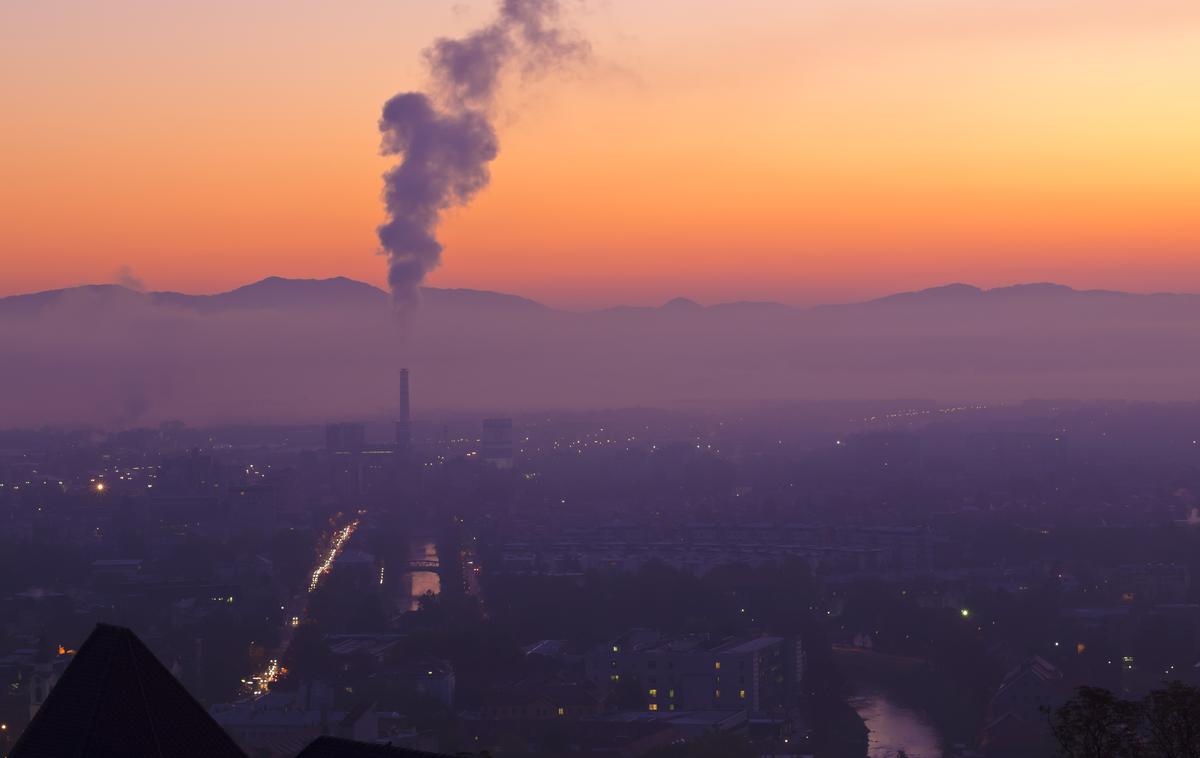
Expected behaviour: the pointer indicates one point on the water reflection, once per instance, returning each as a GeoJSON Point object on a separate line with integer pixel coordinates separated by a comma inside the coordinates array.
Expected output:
{"type": "Point", "coordinates": [894, 727]}
{"type": "Point", "coordinates": [418, 583]}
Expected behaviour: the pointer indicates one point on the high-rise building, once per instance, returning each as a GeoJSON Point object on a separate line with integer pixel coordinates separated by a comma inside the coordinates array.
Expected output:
{"type": "Point", "coordinates": [345, 438]}
{"type": "Point", "coordinates": [403, 423]}
{"type": "Point", "coordinates": [496, 444]}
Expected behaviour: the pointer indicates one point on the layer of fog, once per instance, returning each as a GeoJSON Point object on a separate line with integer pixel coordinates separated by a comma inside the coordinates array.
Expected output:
{"type": "Point", "coordinates": [117, 358]}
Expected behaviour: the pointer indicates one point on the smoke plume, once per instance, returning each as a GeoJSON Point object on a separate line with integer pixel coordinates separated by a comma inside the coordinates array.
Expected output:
{"type": "Point", "coordinates": [446, 138]}
{"type": "Point", "coordinates": [126, 278]}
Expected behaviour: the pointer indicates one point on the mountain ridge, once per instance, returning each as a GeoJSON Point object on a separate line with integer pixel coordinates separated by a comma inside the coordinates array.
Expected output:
{"type": "Point", "coordinates": [277, 291]}
{"type": "Point", "coordinates": [279, 349]}
{"type": "Point", "coordinates": [270, 292]}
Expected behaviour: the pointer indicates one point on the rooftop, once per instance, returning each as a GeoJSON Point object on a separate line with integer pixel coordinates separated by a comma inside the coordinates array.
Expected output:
{"type": "Point", "coordinates": [116, 699]}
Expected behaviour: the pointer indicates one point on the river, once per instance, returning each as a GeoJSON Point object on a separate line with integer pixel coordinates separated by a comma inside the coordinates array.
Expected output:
{"type": "Point", "coordinates": [417, 583]}
{"type": "Point", "coordinates": [894, 727]}
{"type": "Point", "coordinates": [878, 683]}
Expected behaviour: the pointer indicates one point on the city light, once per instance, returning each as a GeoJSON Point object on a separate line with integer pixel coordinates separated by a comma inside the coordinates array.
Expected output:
{"type": "Point", "coordinates": [260, 684]}
{"type": "Point", "coordinates": [335, 548]}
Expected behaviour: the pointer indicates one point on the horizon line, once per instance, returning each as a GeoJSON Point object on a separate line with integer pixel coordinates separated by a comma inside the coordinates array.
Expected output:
{"type": "Point", "coordinates": [681, 300]}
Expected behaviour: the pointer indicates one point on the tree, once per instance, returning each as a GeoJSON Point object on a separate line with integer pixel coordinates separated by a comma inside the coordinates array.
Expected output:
{"type": "Point", "coordinates": [1173, 721]}
{"type": "Point", "coordinates": [1097, 724]}
{"type": "Point", "coordinates": [308, 657]}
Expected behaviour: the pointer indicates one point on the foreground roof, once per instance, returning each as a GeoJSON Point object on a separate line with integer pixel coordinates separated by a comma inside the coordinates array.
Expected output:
{"type": "Point", "coordinates": [116, 699]}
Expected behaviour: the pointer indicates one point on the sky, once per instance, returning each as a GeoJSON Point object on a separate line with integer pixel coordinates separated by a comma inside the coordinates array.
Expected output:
{"type": "Point", "coordinates": [795, 150]}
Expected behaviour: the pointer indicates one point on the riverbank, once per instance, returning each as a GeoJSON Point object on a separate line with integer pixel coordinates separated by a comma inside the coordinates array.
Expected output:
{"type": "Point", "coordinates": [906, 703]}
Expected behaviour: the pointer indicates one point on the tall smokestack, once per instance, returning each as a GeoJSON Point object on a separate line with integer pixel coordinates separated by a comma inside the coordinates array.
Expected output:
{"type": "Point", "coordinates": [445, 137]}
{"type": "Point", "coordinates": [403, 426]}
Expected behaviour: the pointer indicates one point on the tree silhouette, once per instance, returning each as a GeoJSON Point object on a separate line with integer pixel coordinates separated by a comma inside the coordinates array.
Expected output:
{"type": "Point", "coordinates": [1173, 721]}
{"type": "Point", "coordinates": [1097, 724]}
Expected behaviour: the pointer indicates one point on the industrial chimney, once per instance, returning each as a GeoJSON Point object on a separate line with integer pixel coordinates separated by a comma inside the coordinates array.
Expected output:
{"type": "Point", "coordinates": [403, 428]}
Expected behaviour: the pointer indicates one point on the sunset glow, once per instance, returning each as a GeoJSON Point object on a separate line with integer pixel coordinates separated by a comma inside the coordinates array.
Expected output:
{"type": "Point", "coordinates": [802, 152]}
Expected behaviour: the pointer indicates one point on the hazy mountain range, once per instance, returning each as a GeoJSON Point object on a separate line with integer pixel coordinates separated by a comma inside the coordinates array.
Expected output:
{"type": "Point", "coordinates": [292, 350]}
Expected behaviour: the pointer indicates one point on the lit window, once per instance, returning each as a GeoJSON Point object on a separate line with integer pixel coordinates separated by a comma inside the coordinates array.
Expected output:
{"type": "Point", "coordinates": [717, 665]}
{"type": "Point", "coordinates": [742, 694]}
{"type": "Point", "coordinates": [562, 711]}
{"type": "Point", "coordinates": [653, 693]}
{"type": "Point", "coordinates": [654, 706]}
{"type": "Point", "coordinates": [716, 693]}
{"type": "Point", "coordinates": [671, 693]}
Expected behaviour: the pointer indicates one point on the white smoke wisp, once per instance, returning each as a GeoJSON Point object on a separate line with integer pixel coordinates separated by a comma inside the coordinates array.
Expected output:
{"type": "Point", "coordinates": [446, 138]}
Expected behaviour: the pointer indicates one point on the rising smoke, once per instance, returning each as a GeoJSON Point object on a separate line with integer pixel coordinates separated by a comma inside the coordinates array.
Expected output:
{"type": "Point", "coordinates": [446, 136]}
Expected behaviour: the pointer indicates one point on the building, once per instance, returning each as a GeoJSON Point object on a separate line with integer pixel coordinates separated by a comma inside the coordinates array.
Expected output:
{"type": "Point", "coordinates": [345, 437]}
{"type": "Point", "coordinates": [545, 699]}
{"type": "Point", "coordinates": [359, 468]}
{"type": "Point", "coordinates": [496, 444]}
{"type": "Point", "coordinates": [254, 506]}
{"type": "Point", "coordinates": [693, 672]}
{"type": "Point", "coordinates": [1016, 725]}
{"type": "Point", "coordinates": [1150, 583]}
{"type": "Point", "coordinates": [282, 723]}
{"type": "Point", "coordinates": [426, 679]}
{"type": "Point", "coordinates": [336, 747]}
{"type": "Point", "coordinates": [356, 570]}
{"type": "Point", "coordinates": [116, 570]}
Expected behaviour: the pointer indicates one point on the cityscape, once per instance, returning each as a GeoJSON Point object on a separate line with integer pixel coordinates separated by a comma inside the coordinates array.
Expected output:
{"type": "Point", "coordinates": [600, 379]}
{"type": "Point", "coordinates": [800, 579]}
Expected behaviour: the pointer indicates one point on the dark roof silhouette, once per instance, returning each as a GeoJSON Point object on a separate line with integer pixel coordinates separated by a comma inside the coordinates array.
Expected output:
{"type": "Point", "coordinates": [334, 747]}
{"type": "Point", "coordinates": [116, 699]}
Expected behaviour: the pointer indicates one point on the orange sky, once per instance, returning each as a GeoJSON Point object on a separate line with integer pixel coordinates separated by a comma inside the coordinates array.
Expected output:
{"type": "Point", "coordinates": [796, 150]}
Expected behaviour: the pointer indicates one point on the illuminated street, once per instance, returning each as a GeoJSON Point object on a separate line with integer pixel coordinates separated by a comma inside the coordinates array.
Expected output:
{"type": "Point", "coordinates": [335, 547]}
{"type": "Point", "coordinates": [260, 683]}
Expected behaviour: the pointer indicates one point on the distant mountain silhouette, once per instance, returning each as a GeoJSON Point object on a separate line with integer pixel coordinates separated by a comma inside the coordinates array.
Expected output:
{"type": "Point", "coordinates": [272, 292]}
{"type": "Point", "coordinates": [943, 294]}
{"type": "Point", "coordinates": [341, 292]}
{"type": "Point", "coordinates": [679, 303]}
{"type": "Point", "coordinates": [289, 349]}
{"type": "Point", "coordinates": [278, 292]}
{"type": "Point", "coordinates": [966, 294]}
